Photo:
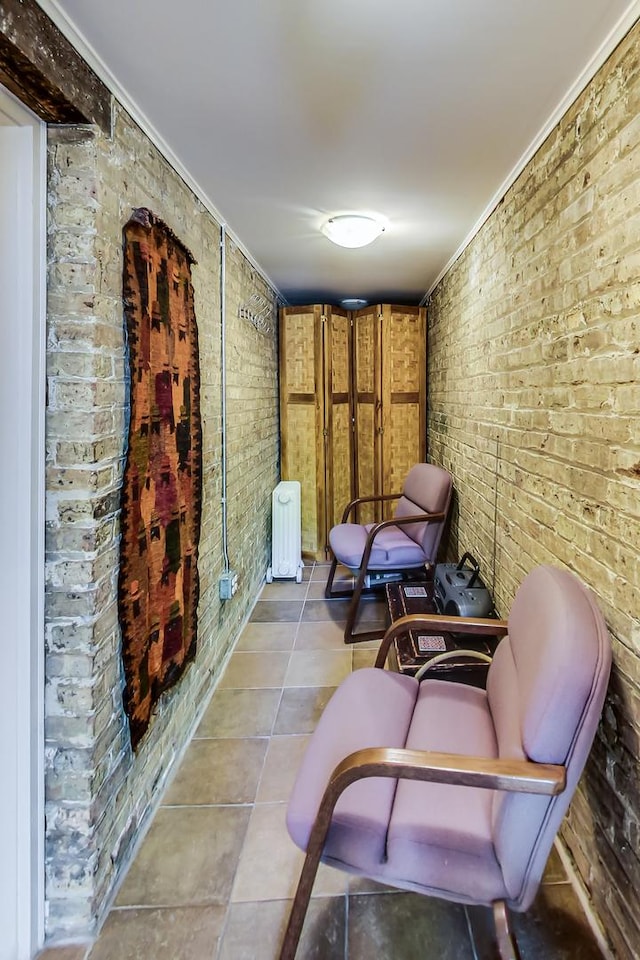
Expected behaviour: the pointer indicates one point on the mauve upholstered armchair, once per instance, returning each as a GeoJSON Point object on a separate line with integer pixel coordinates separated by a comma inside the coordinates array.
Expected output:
{"type": "Point", "coordinates": [407, 542]}
{"type": "Point", "coordinates": [447, 789]}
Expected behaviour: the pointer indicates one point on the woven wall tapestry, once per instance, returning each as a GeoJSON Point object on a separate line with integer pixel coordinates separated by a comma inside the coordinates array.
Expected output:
{"type": "Point", "coordinates": [162, 487]}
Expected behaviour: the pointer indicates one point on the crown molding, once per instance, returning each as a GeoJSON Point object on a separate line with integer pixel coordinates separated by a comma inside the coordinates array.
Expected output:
{"type": "Point", "coordinates": [89, 54]}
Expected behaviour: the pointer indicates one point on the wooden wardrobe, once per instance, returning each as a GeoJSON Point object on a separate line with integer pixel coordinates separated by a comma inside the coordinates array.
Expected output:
{"type": "Point", "coordinates": [352, 408]}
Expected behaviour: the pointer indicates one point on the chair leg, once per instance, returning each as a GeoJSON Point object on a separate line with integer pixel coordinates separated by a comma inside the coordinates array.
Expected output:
{"type": "Point", "coordinates": [507, 947]}
{"type": "Point", "coordinates": [349, 636]}
{"type": "Point", "coordinates": [328, 590]}
{"type": "Point", "coordinates": [352, 614]}
{"type": "Point", "coordinates": [300, 905]}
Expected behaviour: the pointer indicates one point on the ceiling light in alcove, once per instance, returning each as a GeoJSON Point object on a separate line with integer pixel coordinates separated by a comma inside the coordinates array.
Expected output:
{"type": "Point", "coordinates": [353, 303]}
{"type": "Point", "coordinates": [352, 229]}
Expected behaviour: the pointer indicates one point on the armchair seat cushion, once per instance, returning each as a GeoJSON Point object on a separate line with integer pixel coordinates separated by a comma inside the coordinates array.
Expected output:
{"type": "Point", "coordinates": [448, 718]}
{"type": "Point", "coordinates": [392, 549]}
{"type": "Point", "coordinates": [452, 848]}
{"type": "Point", "coordinates": [371, 708]}
{"type": "Point", "coordinates": [376, 827]}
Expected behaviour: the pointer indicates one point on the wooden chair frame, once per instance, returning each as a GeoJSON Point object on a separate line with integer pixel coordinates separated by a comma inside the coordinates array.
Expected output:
{"type": "Point", "coordinates": [356, 593]}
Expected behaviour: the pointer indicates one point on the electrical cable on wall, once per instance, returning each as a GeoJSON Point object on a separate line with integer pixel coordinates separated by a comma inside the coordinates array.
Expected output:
{"type": "Point", "coordinates": [223, 389]}
{"type": "Point", "coordinates": [228, 578]}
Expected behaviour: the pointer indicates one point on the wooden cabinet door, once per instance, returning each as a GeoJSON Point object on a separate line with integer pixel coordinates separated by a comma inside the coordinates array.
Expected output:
{"type": "Point", "coordinates": [352, 409]}
{"type": "Point", "coordinates": [403, 438]}
{"type": "Point", "coordinates": [302, 417]}
{"type": "Point", "coordinates": [367, 406]}
{"type": "Point", "coordinates": [337, 328]}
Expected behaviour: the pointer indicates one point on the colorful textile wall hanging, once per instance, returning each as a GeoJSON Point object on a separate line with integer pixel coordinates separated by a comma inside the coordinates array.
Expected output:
{"type": "Point", "coordinates": [162, 487]}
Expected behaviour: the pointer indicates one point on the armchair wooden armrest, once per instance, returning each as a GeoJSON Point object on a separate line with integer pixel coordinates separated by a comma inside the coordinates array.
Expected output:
{"type": "Point", "coordinates": [492, 773]}
{"type": "Point", "coordinates": [480, 626]}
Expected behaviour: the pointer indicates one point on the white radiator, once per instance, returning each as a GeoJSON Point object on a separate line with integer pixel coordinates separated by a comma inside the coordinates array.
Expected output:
{"type": "Point", "coordinates": [286, 556]}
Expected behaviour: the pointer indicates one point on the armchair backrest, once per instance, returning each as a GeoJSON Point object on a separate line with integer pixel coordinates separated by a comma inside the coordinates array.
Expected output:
{"type": "Point", "coordinates": [427, 489]}
{"type": "Point", "coordinates": [546, 688]}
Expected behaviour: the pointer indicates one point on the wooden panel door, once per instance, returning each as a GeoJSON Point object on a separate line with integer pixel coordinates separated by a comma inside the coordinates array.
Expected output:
{"type": "Point", "coordinates": [302, 419]}
{"type": "Point", "coordinates": [403, 438]}
{"type": "Point", "coordinates": [367, 406]}
{"type": "Point", "coordinates": [337, 328]}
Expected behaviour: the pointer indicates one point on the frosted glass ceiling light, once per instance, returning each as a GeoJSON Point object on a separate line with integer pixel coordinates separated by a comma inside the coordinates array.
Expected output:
{"type": "Point", "coordinates": [353, 303]}
{"type": "Point", "coordinates": [352, 230]}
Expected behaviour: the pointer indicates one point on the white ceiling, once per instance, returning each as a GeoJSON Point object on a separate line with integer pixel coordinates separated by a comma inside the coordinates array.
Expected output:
{"type": "Point", "coordinates": [283, 112]}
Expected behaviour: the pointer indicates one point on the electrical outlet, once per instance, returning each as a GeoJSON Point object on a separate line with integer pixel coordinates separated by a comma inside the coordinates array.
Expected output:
{"type": "Point", "coordinates": [228, 584]}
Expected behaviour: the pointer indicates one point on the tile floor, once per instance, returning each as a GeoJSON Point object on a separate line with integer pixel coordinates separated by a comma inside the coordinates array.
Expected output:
{"type": "Point", "coordinates": [214, 877]}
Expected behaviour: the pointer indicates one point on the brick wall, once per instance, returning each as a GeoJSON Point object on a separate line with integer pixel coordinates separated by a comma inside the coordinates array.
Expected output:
{"type": "Point", "coordinates": [534, 405]}
{"type": "Point", "coordinates": [98, 795]}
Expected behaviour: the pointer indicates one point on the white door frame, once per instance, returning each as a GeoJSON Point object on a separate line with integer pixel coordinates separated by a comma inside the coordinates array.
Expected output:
{"type": "Point", "coordinates": [22, 406]}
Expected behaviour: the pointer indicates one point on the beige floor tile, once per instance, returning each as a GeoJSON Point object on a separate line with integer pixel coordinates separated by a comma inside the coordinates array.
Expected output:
{"type": "Point", "coordinates": [554, 872]}
{"type": "Point", "coordinates": [324, 931]}
{"type": "Point", "coordinates": [343, 584]}
{"type": "Point", "coordinates": [330, 882]}
{"type": "Point", "coordinates": [301, 708]}
{"type": "Point", "coordinates": [407, 925]}
{"type": "Point", "coordinates": [336, 610]}
{"type": "Point", "coordinates": [271, 611]}
{"type": "Point", "coordinates": [70, 952]}
{"type": "Point", "coordinates": [280, 768]}
{"type": "Point", "coordinates": [344, 581]}
{"type": "Point", "coordinates": [254, 931]}
{"type": "Point", "coordinates": [320, 636]}
{"type": "Point", "coordinates": [218, 771]}
{"type": "Point", "coordinates": [342, 575]}
{"type": "Point", "coordinates": [284, 590]}
{"type": "Point", "coordinates": [175, 933]}
{"type": "Point", "coordinates": [188, 857]}
{"type": "Point", "coordinates": [255, 670]}
{"type": "Point", "coordinates": [376, 625]}
{"type": "Point", "coordinates": [270, 863]}
{"type": "Point", "coordinates": [372, 608]}
{"type": "Point", "coordinates": [321, 571]}
{"type": "Point", "coordinates": [313, 668]}
{"type": "Point", "coordinates": [367, 644]}
{"type": "Point", "coordinates": [267, 636]}
{"type": "Point", "coordinates": [364, 658]}
{"type": "Point", "coordinates": [240, 713]}
{"type": "Point", "coordinates": [370, 611]}
{"type": "Point", "coordinates": [316, 590]}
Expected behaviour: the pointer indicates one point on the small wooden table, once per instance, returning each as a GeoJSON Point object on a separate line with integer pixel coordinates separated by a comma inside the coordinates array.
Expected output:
{"type": "Point", "coordinates": [416, 647]}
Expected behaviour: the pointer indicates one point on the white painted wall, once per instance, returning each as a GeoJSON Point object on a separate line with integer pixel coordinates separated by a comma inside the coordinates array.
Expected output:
{"type": "Point", "coordinates": [22, 378]}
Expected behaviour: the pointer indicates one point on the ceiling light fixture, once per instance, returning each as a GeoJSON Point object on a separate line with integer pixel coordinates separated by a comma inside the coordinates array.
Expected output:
{"type": "Point", "coordinates": [352, 230]}
{"type": "Point", "coordinates": [353, 303]}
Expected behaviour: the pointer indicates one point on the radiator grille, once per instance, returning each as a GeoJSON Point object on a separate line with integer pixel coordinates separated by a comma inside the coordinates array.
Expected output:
{"type": "Point", "coordinates": [286, 557]}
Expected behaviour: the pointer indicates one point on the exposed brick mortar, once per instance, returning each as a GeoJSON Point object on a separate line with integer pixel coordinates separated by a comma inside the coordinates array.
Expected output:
{"type": "Point", "coordinates": [534, 341]}
{"type": "Point", "coordinates": [98, 796]}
